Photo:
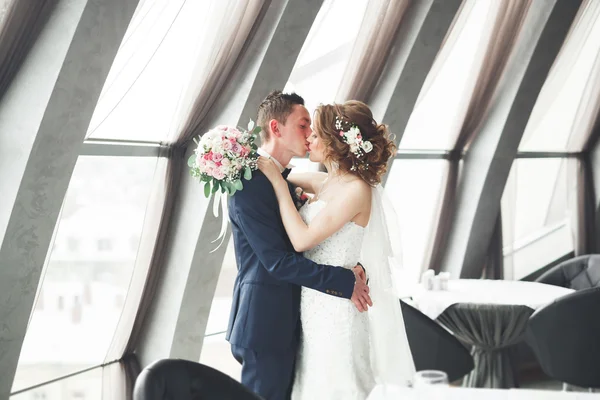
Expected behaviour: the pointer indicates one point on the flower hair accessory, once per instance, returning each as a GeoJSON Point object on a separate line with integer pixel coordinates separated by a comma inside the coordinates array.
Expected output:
{"type": "Point", "coordinates": [353, 138]}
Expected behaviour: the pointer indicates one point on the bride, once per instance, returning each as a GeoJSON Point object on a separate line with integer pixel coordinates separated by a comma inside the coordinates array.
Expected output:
{"type": "Point", "coordinates": [344, 353]}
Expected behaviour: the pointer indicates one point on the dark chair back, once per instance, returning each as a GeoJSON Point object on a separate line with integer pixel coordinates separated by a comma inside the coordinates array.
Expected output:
{"type": "Point", "coordinates": [433, 347]}
{"type": "Point", "coordinates": [578, 273]}
{"type": "Point", "coordinates": [565, 337]}
{"type": "Point", "coordinates": [175, 379]}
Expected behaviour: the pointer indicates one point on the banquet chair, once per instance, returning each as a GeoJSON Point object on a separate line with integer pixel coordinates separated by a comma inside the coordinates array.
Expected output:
{"type": "Point", "coordinates": [578, 273]}
{"type": "Point", "coordinates": [433, 347]}
{"type": "Point", "coordinates": [565, 337]}
{"type": "Point", "coordinates": [176, 379]}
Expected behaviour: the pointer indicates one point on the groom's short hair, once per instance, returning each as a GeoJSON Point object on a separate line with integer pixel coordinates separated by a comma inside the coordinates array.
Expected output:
{"type": "Point", "coordinates": [277, 105]}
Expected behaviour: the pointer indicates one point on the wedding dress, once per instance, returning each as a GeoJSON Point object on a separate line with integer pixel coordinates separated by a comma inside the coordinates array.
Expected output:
{"type": "Point", "coordinates": [343, 353]}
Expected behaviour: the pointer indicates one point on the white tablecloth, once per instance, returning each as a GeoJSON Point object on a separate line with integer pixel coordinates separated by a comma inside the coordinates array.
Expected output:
{"type": "Point", "coordinates": [453, 393]}
{"type": "Point", "coordinates": [483, 291]}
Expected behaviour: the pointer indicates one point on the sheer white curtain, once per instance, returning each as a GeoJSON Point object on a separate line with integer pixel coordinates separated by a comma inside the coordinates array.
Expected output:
{"type": "Point", "coordinates": [448, 88]}
{"type": "Point", "coordinates": [4, 4]}
{"type": "Point", "coordinates": [224, 41]}
{"type": "Point", "coordinates": [165, 57]}
{"type": "Point", "coordinates": [227, 26]}
{"type": "Point", "coordinates": [565, 111]}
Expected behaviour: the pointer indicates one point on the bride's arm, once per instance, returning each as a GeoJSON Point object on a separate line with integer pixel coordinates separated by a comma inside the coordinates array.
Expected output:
{"type": "Point", "coordinates": [340, 210]}
{"type": "Point", "coordinates": [308, 181]}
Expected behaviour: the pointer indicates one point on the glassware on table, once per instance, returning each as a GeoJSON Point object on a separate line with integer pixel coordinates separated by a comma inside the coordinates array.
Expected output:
{"type": "Point", "coordinates": [444, 278]}
{"type": "Point", "coordinates": [430, 377]}
{"type": "Point", "coordinates": [427, 279]}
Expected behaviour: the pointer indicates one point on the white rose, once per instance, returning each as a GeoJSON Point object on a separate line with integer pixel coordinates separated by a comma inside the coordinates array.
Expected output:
{"type": "Point", "coordinates": [367, 146]}
{"type": "Point", "coordinates": [209, 135]}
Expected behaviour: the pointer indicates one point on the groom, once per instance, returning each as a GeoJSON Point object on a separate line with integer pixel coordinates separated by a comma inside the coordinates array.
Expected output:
{"type": "Point", "coordinates": [264, 325]}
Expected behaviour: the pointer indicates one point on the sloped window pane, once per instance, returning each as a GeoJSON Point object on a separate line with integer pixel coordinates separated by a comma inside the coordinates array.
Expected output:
{"type": "Point", "coordinates": [536, 215]}
{"type": "Point", "coordinates": [320, 66]}
{"type": "Point", "coordinates": [88, 271]}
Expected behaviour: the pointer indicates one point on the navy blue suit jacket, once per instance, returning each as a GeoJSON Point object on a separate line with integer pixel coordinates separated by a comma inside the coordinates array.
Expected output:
{"type": "Point", "coordinates": [266, 296]}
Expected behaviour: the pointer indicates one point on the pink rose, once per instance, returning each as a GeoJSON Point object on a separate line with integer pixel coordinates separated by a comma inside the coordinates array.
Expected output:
{"type": "Point", "coordinates": [225, 162]}
{"type": "Point", "coordinates": [217, 157]}
{"type": "Point", "coordinates": [227, 145]}
{"type": "Point", "coordinates": [219, 173]}
{"type": "Point", "coordinates": [236, 148]}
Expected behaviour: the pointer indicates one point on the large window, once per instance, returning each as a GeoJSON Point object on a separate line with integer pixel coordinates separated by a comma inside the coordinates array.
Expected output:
{"type": "Point", "coordinates": [320, 66]}
{"type": "Point", "coordinates": [145, 91]}
{"type": "Point", "coordinates": [536, 215]}
{"type": "Point", "coordinates": [567, 105]}
{"type": "Point", "coordinates": [442, 104]}
{"type": "Point", "coordinates": [85, 386]}
{"type": "Point", "coordinates": [414, 188]}
{"type": "Point", "coordinates": [216, 351]}
{"type": "Point", "coordinates": [87, 272]}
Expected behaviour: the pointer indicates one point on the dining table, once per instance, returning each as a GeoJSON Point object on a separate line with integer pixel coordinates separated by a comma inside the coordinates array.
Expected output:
{"type": "Point", "coordinates": [439, 392]}
{"type": "Point", "coordinates": [490, 316]}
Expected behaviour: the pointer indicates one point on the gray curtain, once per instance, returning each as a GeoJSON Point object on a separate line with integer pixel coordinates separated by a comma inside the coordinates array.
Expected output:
{"type": "Point", "coordinates": [371, 50]}
{"type": "Point", "coordinates": [490, 329]}
{"type": "Point", "coordinates": [24, 21]}
{"type": "Point", "coordinates": [506, 30]}
{"type": "Point", "coordinates": [444, 217]}
{"type": "Point", "coordinates": [494, 262]}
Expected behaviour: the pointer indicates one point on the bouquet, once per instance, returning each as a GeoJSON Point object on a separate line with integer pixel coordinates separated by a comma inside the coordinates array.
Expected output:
{"type": "Point", "coordinates": [224, 155]}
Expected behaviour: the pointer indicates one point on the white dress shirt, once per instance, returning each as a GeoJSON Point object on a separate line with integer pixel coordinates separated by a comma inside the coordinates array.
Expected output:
{"type": "Point", "coordinates": [262, 152]}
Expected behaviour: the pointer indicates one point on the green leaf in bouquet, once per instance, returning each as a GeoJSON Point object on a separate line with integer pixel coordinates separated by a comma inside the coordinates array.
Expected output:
{"type": "Point", "coordinates": [256, 130]}
{"type": "Point", "coordinates": [247, 173]}
{"type": "Point", "coordinates": [216, 185]}
{"type": "Point", "coordinates": [192, 161]}
{"type": "Point", "coordinates": [207, 189]}
{"type": "Point", "coordinates": [227, 187]}
{"type": "Point", "coordinates": [250, 125]}
{"type": "Point", "coordinates": [238, 185]}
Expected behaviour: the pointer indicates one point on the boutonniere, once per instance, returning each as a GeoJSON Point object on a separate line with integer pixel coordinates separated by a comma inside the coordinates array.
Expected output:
{"type": "Point", "coordinates": [300, 197]}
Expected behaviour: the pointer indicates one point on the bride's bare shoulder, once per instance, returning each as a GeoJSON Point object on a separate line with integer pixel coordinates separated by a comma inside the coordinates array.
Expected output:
{"type": "Point", "coordinates": [357, 188]}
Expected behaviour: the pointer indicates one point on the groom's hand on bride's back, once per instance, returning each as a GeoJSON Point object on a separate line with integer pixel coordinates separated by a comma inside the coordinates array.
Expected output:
{"type": "Point", "coordinates": [360, 296]}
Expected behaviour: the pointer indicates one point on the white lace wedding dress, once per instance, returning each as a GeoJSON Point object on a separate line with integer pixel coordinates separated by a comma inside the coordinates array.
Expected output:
{"type": "Point", "coordinates": [333, 360]}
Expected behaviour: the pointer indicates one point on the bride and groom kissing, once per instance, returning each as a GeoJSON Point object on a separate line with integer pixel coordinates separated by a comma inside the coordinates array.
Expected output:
{"type": "Point", "coordinates": [304, 322]}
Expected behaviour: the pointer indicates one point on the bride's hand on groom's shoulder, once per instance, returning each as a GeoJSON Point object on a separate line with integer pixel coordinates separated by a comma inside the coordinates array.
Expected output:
{"type": "Point", "coordinates": [360, 296]}
{"type": "Point", "coordinates": [268, 167]}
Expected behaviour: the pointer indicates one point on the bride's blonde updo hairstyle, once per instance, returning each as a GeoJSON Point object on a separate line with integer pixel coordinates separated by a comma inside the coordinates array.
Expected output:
{"type": "Point", "coordinates": [336, 126]}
